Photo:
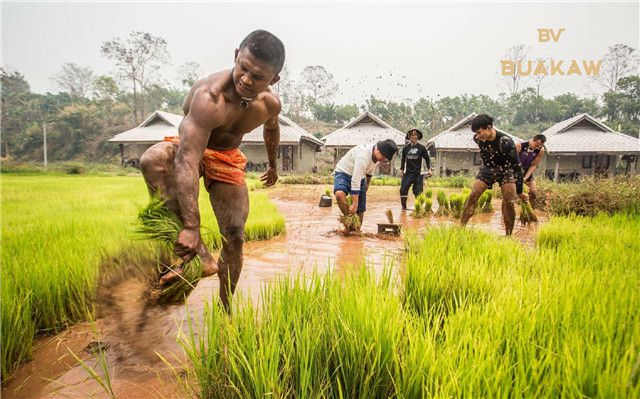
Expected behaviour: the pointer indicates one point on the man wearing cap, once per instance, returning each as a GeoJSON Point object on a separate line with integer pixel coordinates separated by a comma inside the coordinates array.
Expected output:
{"type": "Point", "coordinates": [353, 173]}
{"type": "Point", "coordinates": [411, 166]}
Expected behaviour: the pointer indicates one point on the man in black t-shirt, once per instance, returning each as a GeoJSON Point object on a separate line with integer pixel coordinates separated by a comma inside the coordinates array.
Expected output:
{"type": "Point", "coordinates": [411, 166]}
{"type": "Point", "coordinates": [500, 164]}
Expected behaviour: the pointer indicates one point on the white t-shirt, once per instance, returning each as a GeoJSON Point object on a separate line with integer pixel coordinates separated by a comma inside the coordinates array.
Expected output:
{"type": "Point", "coordinates": [357, 163]}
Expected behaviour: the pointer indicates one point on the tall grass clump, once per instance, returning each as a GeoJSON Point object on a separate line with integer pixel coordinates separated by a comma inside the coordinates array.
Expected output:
{"type": "Point", "coordinates": [590, 196]}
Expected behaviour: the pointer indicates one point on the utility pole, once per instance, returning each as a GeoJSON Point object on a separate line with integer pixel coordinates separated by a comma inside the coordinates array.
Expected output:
{"type": "Point", "coordinates": [44, 135]}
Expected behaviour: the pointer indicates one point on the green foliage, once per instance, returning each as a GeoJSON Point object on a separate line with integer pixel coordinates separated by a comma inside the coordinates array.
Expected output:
{"type": "Point", "coordinates": [484, 202]}
{"type": "Point", "coordinates": [456, 181]}
{"type": "Point", "coordinates": [456, 203]}
{"type": "Point", "coordinates": [385, 181]}
{"type": "Point", "coordinates": [591, 196]}
{"type": "Point", "coordinates": [422, 206]}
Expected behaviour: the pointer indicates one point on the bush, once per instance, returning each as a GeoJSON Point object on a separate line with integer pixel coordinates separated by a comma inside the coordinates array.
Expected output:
{"type": "Point", "coordinates": [590, 196]}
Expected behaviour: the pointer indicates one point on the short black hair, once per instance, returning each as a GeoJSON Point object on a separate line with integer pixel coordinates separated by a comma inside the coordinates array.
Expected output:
{"type": "Point", "coordinates": [481, 122]}
{"type": "Point", "coordinates": [266, 47]}
{"type": "Point", "coordinates": [540, 137]}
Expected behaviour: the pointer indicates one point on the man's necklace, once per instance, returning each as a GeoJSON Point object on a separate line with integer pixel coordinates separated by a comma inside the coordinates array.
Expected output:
{"type": "Point", "coordinates": [244, 103]}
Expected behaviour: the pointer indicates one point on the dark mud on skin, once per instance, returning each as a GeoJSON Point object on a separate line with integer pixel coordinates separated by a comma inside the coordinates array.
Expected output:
{"type": "Point", "coordinates": [133, 329]}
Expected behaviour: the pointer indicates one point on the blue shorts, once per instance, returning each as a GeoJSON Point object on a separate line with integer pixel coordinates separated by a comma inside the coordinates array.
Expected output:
{"type": "Point", "coordinates": [342, 182]}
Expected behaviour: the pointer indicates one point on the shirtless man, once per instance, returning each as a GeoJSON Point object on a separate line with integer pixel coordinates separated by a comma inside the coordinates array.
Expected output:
{"type": "Point", "coordinates": [219, 110]}
{"type": "Point", "coordinates": [500, 164]}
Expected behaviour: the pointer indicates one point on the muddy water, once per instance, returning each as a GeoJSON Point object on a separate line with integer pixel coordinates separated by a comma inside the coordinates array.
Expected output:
{"type": "Point", "coordinates": [312, 242]}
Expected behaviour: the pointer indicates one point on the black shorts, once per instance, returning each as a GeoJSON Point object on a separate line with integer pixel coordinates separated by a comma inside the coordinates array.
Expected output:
{"type": "Point", "coordinates": [495, 175]}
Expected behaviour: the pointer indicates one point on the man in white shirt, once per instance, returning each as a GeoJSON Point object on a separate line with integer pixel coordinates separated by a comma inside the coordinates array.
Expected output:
{"type": "Point", "coordinates": [353, 173]}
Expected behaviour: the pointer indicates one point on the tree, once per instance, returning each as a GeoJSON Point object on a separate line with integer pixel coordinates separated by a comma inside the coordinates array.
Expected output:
{"type": "Point", "coordinates": [622, 108]}
{"type": "Point", "coordinates": [190, 73]}
{"type": "Point", "coordinates": [619, 62]}
{"type": "Point", "coordinates": [15, 97]}
{"type": "Point", "coordinates": [105, 89]}
{"type": "Point", "coordinates": [516, 54]}
{"type": "Point", "coordinates": [138, 59]}
{"type": "Point", "coordinates": [317, 84]}
{"type": "Point", "coordinates": [75, 79]}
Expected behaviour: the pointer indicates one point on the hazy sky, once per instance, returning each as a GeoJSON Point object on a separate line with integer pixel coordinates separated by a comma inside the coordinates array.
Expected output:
{"type": "Point", "coordinates": [394, 51]}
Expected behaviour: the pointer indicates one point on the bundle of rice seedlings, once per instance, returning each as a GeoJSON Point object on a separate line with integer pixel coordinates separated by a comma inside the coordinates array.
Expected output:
{"type": "Point", "coordinates": [484, 202]}
{"type": "Point", "coordinates": [350, 221]}
{"type": "Point", "coordinates": [527, 215]}
{"type": "Point", "coordinates": [443, 204]}
{"type": "Point", "coordinates": [389, 215]}
{"type": "Point", "coordinates": [417, 208]}
{"type": "Point", "coordinates": [428, 193]}
{"type": "Point", "coordinates": [327, 192]}
{"type": "Point", "coordinates": [456, 203]}
{"type": "Point", "coordinates": [159, 224]}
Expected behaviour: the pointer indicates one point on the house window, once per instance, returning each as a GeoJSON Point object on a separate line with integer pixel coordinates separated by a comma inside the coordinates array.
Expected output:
{"type": "Point", "coordinates": [602, 161]}
{"type": "Point", "coordinates": [587, 160]}
{"type": "Point", "coordinates": [477, 159]}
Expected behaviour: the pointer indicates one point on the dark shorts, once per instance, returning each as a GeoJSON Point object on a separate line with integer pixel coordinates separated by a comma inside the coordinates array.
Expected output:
{"type": "Point", "coordinates": [417, 181]}
{"type": "Point", "coordinates": [495, 175]}
{"type": "Point", "coordinates": [342, 182]}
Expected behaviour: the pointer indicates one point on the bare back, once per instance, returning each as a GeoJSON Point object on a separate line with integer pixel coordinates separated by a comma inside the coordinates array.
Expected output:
{"type": "Point", "coordinates": [238, 121]}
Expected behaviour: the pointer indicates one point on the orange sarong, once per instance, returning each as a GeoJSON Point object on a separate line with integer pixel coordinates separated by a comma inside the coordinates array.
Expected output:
{"type": "Point", "coordinates": [227, 166]}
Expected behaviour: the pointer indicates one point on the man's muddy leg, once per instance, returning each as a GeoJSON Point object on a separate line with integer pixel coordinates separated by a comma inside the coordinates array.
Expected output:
{"type": "Point", "coordinates": [508, 207]}
{"type": "Point", "coordinates": [157, 166]}
{"type": "Point", "coordinates": [231, 206]}
{"type": "Point", "coordinates": [533, 193]}
{"type": "Point", "coordinates": [477, 189]}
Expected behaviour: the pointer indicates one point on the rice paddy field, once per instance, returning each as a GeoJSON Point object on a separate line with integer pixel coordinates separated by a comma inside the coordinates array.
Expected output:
{"type": "Point", "coordinates": [460, 313]}
{"type": "Point", "coordinates": [55, 231]}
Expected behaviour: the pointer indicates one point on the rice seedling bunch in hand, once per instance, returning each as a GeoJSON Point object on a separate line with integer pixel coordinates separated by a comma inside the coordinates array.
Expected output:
{"type": "Point", "coordinates": [527, 216]}
{"type": "Point", "coordinates": [157, 223]}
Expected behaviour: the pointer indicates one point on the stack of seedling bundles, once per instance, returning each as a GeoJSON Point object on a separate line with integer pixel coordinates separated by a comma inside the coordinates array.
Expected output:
{"type": "Point", "coordinates": [423, 204]}
{"type": "Point", "coordinates": [159, 224]}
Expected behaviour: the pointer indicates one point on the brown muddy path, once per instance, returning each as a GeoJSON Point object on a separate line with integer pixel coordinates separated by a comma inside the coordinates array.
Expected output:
{"type": "Point", "coordinates": [312, 242]}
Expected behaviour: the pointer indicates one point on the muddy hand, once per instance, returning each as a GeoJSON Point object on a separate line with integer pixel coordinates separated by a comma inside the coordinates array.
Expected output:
{"type": "Point", "coordinates": [270, 177]}
{"type": "Point", "coordinates": [187, 244]}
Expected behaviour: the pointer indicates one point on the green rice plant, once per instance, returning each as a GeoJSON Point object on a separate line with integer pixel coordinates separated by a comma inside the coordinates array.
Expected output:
{"type": "Point", "coordinates": [484, 202]}
{"type": "Point", "coordinates": [475, 315]}
{"type": "Point", "coordinates": [385, 181]}
{"type": "Point", "coordinates": [56, 230]}
{"type": "Point", "coordinates": [428, 193]}
{"type": "Point", "coordinates": [527, 216]}
{"type": "Point", "coordinates": [422, 206]}
{"type": "Point", "coordinates": [443, 204]}
{"type": "Point", "coordinates": [350, 221]}
{"type": "Point", "coordinates": [456, 204]}
{"type": "Point", "coordinates": [457, 181]}
{"type": "Point", "coordinates": [327, 192]}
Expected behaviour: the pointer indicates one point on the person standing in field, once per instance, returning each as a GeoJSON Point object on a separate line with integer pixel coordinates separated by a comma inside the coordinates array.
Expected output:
{"type": "Point", "coordinates": [531, 153]}
{"type": "Point", "coordinates": [353, 172]}
{"type": "Point", "coordinates": [500, 164]}
{"type": "Point", "coordinates": [411, 166]}
{"type": "Point", "coordinates": [219, 110]}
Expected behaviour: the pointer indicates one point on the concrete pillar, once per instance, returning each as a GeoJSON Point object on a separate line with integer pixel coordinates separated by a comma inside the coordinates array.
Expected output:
{"type": "Point", "coordinates": [556, 175]}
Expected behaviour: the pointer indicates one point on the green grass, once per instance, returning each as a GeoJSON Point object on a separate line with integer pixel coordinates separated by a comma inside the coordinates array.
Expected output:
{"type": "Point", "coordinates": [474, 315]}
{"type": "Point", "coordinates": [457, 181]}
{"type": "Point", "coordinates": [56, 230]}
{"type": "Point", "coordinates": [385, 181]}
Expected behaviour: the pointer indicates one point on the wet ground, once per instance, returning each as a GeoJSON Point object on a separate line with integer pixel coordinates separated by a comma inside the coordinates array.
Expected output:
{"type": "Point", "coordinates": [312, 242]}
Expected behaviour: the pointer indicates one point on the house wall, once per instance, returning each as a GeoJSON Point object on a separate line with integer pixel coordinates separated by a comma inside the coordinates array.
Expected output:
{"type": "Point", "coordinates": [447, 163]}
{"type": "Point", "coordinates": [570, 166]}
{"type": "Point", "coordinates": [133, 151]}
{"type": "Point", "coordinates": [303, 157]}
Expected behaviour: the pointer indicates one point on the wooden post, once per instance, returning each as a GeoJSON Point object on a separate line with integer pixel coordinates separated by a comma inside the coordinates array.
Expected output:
{"type": "Point", "coordinates": [555, 172]}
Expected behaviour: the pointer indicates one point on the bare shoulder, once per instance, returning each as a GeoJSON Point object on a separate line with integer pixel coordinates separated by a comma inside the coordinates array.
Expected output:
{"type": "Point", "coordinates": [272, 102]}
